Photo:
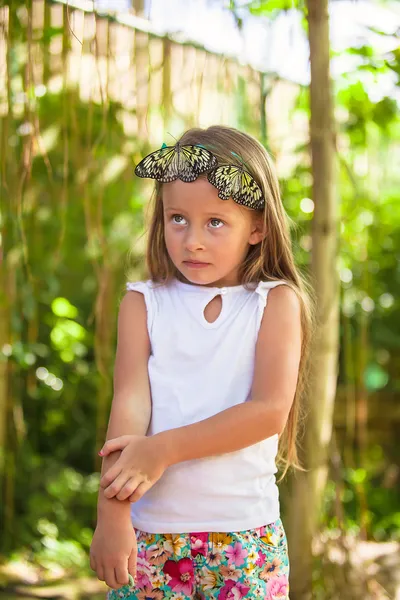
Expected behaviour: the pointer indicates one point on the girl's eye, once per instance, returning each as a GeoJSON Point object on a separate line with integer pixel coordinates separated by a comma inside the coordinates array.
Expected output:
{"type": "Point", "coordinates": [178, 219]}
{"type": "Point", "coordinates": [216, 223]}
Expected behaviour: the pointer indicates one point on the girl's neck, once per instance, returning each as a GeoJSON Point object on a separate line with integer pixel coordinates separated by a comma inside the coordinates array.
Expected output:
{"type": "Point", "coordinates": [188, 286]}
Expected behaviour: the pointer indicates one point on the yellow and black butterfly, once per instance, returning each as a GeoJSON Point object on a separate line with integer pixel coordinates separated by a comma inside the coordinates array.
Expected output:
{"type": "Point", "coordinates": [234, 181]}
{"type": "Point", "coordinates": [185, 162]}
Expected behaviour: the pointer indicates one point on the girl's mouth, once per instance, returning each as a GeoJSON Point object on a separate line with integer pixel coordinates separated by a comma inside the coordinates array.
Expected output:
{"type": "Point", "coordinates": [195, 264]}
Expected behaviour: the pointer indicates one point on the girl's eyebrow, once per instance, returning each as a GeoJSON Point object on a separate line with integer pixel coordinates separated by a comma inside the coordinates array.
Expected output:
{"type": "Point", "coordinates": [209, 214]}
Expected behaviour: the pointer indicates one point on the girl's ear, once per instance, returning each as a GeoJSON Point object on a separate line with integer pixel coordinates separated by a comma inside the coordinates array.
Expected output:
{"type": "Point", "coordinates": [257, 232]}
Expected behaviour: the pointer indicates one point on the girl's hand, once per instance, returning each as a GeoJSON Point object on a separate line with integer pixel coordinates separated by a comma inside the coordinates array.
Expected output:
{"type": "Point", "coordinates": [138, 468]}
{"type": "Point", "coordinates": [113, 552]}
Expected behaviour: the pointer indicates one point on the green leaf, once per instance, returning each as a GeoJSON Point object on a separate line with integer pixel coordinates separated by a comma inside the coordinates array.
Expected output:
{"type": "Point", "coordinates": [61, 307]}
{"type": "Point", "coordinates": [366, 51]}
{"type": "Point", "coordinates": [375, 377]}
{"type": "Point", "coordinates": [268, 7]}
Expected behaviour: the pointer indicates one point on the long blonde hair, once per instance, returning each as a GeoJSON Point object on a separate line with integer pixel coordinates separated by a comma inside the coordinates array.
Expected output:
{"type": "Point", "coordinates": [271, 259]}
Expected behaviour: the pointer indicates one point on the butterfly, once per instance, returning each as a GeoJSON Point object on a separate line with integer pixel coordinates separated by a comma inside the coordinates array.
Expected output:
{"type": "Point", "coordinates": [176, 162]}
{"type": "Point", "coordinates": [233, 181]}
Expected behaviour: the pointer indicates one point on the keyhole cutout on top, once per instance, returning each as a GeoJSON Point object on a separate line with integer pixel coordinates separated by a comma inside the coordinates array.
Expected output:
{"type": "Point", "coordinates": [213, 309]}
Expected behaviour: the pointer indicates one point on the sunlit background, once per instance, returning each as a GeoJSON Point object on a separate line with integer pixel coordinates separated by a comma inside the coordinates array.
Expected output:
{"type": "Point", "coordinates": [86, 89]}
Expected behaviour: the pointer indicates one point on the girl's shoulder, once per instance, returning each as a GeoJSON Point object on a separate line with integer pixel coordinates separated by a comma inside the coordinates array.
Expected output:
{"type": "Point", "coordinates": [153, 291]}
{"type": "Point", "coordinates": [138, 286]}
{"type": "Point", "coordinates": [263, 287]}
{"type": "Point", "coordinates": [149, 288]}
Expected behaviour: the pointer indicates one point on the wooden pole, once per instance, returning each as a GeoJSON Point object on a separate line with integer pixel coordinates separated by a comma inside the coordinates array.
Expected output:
{"type": "Point", "coordinates": [304, 509]}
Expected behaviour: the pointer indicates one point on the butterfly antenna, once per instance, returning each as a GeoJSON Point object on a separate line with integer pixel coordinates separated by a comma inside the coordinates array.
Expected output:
{"type": "Point", "coordinates": [240, 158]}
{"type": "Point", "coordinates": [172, 136]}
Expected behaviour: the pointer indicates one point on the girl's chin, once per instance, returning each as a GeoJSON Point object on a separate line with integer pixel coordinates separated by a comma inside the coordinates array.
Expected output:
{"type": "Point", "coordinates": [199, 276]}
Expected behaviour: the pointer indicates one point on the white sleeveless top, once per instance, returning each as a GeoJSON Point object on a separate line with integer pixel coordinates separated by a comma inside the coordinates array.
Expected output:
{"type": "Point", "coordinates": [196, 370]}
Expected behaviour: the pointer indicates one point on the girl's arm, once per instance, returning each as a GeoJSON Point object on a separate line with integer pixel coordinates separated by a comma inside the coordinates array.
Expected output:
{"type": "Point", "coordinates": [274, 384]}
{"type": "Point", "coordinates": [131, 405]}
{"type": "Point", "coordinates": [113, 550]}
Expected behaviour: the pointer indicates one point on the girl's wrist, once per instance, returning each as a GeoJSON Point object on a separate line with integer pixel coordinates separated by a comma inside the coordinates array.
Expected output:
{"type": "Point", "coordinates": [165, 447]}
{"type": "Point", "coordinates": [105, 506]}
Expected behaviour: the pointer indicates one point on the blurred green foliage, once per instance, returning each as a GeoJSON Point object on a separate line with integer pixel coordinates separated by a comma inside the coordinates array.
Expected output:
{"type": "Point", "coordinates": [59, 257]}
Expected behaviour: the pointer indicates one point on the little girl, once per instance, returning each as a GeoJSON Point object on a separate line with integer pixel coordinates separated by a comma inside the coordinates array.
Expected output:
{"type": "Point", "coordinates": [208, 378]}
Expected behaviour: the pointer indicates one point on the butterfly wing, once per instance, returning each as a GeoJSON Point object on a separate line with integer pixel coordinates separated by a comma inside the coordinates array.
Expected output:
{"type": "Point", "coordinates": [194, 160]}
{"type": "Point", "coordinates": [249, 192]}
{"type": "Point", "coordinates": [225, 179]}
{"type": "Point", "coordinates": [233, 181]}
{"type": "Point", "coordinates": [161, 165]}
{"type": "Point", "coordinates": [173, 162]}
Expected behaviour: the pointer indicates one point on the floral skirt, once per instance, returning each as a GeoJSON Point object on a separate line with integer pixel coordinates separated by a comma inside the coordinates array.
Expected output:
{"type": "Point", "coordinates": [200, 566]}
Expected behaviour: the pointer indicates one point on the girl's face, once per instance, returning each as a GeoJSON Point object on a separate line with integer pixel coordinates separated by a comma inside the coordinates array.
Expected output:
{"type": "Point", "coordinates": [207, 238]}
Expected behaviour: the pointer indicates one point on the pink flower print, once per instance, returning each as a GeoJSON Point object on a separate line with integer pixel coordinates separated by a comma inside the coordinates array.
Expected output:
{"type": "Point", "coordinates": [143, 572]}
{"type": "Point", "coordinates": [260, 531]}
{"type": "Point", "coordinates": [261, 559]}
{"type": "Point", "coordinates": [277, 588]}
{"type": "Point", "coordinates": [236, 554]}
{"type": "Point", "coordinates": [199, 543]}
{"type": "Point", "coordinates": [142, 580]}
{"type": "Point", "coordinates": [232, 590]}
{"type": "Point", "coordinates": [182, 575]}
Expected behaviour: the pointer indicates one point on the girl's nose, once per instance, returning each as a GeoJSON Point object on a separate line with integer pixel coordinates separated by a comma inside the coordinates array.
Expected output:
{"type": "Point", "coordinates": [194, 241]}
